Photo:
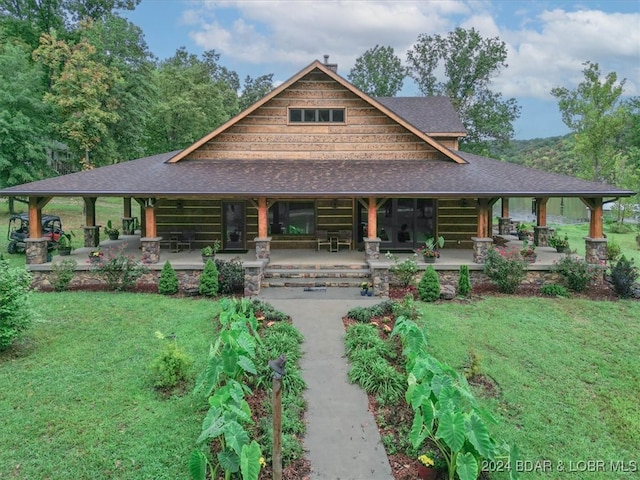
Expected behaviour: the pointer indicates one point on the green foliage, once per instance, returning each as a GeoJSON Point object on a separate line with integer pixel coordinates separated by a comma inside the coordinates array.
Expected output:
{"type": "Point", "coordinates": [553, 290]}
{"type": "Point", "coordinates": [171, 366]}
{"type": "Point", "coordinates": [576, 272]}
{"type": "Point", "coordinates": [62, 274]}
{"type": "Point", "coordinates": [376, 375]}
{"type": "Point", "coordinates": [365, 314]}
{"type": "Point", "coordinates": [16, 313]}
{"type": "Point", "coordinates": [378, 72]}
{"type": "Point", "coordinates": [472, 365]}
{"type": "Point", "coordinates": [559, 242]}
{"type": "Point", "coordinates": [403, 272]}
{"type": "Point", "coordinates": [208, 283]}
{"type": "Point", "coordinates": [120, 270]}
{"type": "Point", "coordinates": [623, 276]}
{"type": "Point", "coordinates": [268, 311]}
{"type": "Point", "coordinates": [230, 276]}
{"type": "Point", "coordinates": [429, 286]}
{"type": "Point", "coordinates": [362, 336]}
{"type": "Point", "coordinates": [613, 251]}
{"type": "Point", "coordinates": [505, 268]}
{"type": "Point", "coordinates": [406, 308]}
{"type": "Point", "coordinates": [464, 281]}
{"type": "Point", "coordinates": [168, 281]}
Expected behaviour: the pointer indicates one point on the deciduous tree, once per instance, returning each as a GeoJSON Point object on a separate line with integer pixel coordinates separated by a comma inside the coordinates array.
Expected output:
{"type": "Point", "coordinates": [378, 72]}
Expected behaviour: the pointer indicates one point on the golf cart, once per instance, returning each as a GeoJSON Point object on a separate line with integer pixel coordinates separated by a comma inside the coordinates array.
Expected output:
{"type": "Point", "coordinates": [19, 231]}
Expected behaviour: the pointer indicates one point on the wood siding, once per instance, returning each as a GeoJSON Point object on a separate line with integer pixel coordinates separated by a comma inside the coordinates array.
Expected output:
{"type": "Point", "coordinates": [457, 220]}
{"type": "Point", "coordinates": [366, 133]}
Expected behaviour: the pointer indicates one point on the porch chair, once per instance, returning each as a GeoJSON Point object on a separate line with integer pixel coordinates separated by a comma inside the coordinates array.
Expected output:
{"type": "Point", "coordinates": [186, 239]}
{"type": "Point", "coordinates": [344, 238]}
{"type": "Point", "coordinates": [322, 237]}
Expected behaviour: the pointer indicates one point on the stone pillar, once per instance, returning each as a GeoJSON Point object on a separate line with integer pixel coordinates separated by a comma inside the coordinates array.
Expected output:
{"type": "Point", "coordinates": [541, 236]}
{"type": "Point", "coordinates": [372, 248]}
{"type": "Point", "coordinates": [253, 272]}
{"type": "Point", "coordinates": [263, 248]}
{"type": "Point", "coordinates": [150, 249]}
{"type": "Point", "coordinates": [481, 248]}
{"type": "Point", "coordinates": [36, 250]}
{"type": "Point", "coordinates": [596, 250]}
{"type": "Point", "coordinates": [504, 226]}
{"type": "Point", "coordinates": [380, 278]}
{"type": "Point", "coordinates": [91, 236]}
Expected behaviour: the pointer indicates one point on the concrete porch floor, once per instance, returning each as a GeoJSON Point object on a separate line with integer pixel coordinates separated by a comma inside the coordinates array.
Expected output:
{"type": "Point", "coordinates": [450, 259]}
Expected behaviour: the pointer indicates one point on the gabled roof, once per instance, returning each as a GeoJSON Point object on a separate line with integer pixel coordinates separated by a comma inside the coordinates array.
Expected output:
{"type": "Point", "coordinates": [325, 69]}
{"type": "Point", "coordinates": [478, 177]}
{"type": "Point", "coordinates": [432, 115]}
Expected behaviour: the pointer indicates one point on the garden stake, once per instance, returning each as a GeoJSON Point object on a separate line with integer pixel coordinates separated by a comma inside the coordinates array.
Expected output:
{"type": "Point", "coordinates": [277, 366]}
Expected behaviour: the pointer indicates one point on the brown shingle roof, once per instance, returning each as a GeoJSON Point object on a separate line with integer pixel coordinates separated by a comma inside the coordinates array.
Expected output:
{"type": "Point", "coordinates": [153, 177]}
{"type": "Point", "coordinates": [431, 115]}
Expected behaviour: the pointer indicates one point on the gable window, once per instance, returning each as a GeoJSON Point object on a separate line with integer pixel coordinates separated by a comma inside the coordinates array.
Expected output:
{"type": "Point", "coordinates": [316, 115]}
{"type": "Point", "coordinates": [292, 218]}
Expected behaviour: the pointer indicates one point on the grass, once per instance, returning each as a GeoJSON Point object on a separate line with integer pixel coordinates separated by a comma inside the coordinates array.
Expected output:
{"type": "Point", "coordinates": [567, 371]}
{"type": "Point", "coordinates": [77, 396]}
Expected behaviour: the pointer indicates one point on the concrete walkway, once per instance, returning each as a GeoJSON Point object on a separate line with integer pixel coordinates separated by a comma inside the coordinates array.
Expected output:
{"type": "Point", "coordinates": [342, 439]}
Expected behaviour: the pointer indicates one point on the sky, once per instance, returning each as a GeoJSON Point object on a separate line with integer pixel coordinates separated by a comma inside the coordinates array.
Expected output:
{"type": "Point", "coordinates": [547, 42]}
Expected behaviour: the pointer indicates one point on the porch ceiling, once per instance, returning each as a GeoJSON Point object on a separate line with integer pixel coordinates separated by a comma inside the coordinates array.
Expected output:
{"type": "Point", "coordinates": [154, 177]}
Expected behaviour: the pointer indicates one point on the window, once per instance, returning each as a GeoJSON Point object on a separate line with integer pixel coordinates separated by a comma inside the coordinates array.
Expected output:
{"type": "Point", "coordinates": [292, 218]}
{"type": "Point", "coordinates": [316, 115]}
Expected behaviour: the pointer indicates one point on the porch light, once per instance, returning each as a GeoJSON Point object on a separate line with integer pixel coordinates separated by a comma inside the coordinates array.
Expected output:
{"type": "Point", "coordinates": [277, 365]}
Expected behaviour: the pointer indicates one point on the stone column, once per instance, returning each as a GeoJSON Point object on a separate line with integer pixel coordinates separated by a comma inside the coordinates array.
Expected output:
{"type": "Point", "coordinates": [91, 235]}
{"type": "Point", "coordinates": [36, 250]}
{"type": "Point", "coordinates": [504, 225]}
{"type": "Point", "coordinates": [380, 278]}
{"type": "Point", "coordinates": [596, 250]}
{"type": "Point", "coordinates": [480, 248]}
{"type": "Point", "coordinates": [263, 248]}
{"type": "Point", "coordinates": [372, 248]}
{"type": "Point", "coordinates": [541, 236]}
{"type": "Point", "coordinates": [253, 272]}
{"type": "Point", "coordinates": [150, 249]}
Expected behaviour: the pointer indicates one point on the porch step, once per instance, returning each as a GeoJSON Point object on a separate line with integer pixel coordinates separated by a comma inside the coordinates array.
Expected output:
{"type": "Point", "coordinates": [307, 276]}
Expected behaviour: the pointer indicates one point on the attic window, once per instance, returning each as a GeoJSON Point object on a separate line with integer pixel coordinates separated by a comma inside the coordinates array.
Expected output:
{"type": "Point", "coordinates": [316, 115]}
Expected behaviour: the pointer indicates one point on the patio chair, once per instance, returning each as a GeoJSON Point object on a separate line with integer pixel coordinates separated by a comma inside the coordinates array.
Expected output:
{"type": "Point", "coordinates": [186, 239]}
{"type": "Point", "coordinates": [344, 238]}
{"type": "Point", "coordinates": [322, 237]}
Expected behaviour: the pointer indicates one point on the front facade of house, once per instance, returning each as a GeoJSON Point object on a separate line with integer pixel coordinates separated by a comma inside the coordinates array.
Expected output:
{"type": "Point", "coordinates": [318, 154]}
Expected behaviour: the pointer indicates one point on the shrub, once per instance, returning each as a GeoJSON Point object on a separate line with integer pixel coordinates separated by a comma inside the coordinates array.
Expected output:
{"type": "Point", "coordinates": [230, 276]}
{"type": "Point", "coordinates": [119, 270]}
{"type": "Point", "coordinates": [505, 268]}
{"type": "Point", "coordinates": [168, 281]}
{"type": "Point", "coordinates": [360, 314]}
{"type": "Point", "coordinates": [15, 310]}
{"type": "Point", "coordinates": [576, 272]}
{"type": "Point", "coordinates": [404, 272]}
{"type": "Point", "coordinates": [613, 251]}
{"type": "Point", "coordinates": [376, 376]}
{"type": "Point", "coordinates": [365, 337]}
{"type": "Point", "coordinates": [63, 273]}
{"type": "Point", "coordinates": [553, 290]}
{"type": "Point", "coordinates": [623, 276]}
{"type": "Point", "coordinates": [208, 283]}
{"type": "Point", "coordinates": [171, 366]}
{"type": "Point", "coordinates": [464, 282]}
{"type": "Point", "coordinates": [268, 311]}
{"type": "Point", "coordinates": [406, 308]}
{"type": "Point", "coordinates": [429, 286]}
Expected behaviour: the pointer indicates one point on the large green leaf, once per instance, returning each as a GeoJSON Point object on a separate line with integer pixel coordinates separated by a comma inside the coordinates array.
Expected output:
{"type": "Point", "coordinates": [250, 461]}
{"type": "Point", "coordinates": [479, 436]}
{"type": "Point", "coordinates": [467, 466]}
{"type": "Point", "coordinates": [247, 364]}
{"type": "Point", "coordinates": [229, 460]}
{"type": "Point", "coordinates": [451, 430]}
{"type": "Point", "coordinates": [247, 343]}
{"type": "Point", "coordinates": [417, 434]}
{"type": "Point", "coordinates": [428, 415]}
{"type": "Point", "coordinates": [197, 465]}
{"type": "Point", "coordinates": [229, 361]}
{"type": "Point", "coordinates": [235, 436]}
{"type": "Point", "coordinates": [211, 427]}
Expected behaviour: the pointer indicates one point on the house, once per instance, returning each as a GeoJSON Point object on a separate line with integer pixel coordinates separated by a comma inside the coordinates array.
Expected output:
{"type": "Point", "coordinates": [317, 154]}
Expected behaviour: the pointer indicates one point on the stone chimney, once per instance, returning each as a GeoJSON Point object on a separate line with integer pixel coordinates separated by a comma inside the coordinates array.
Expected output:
{"type": "Point", "coordinates": [331, 66]}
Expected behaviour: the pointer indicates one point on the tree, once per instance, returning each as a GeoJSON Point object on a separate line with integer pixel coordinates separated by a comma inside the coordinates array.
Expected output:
{"type": "Point", "coordinates": [378, 72]}
{"type": "Point", "coordinates": [255, 89]}
{"type": "Point", "coordinates": [469, 62]}
{"type": "Point", "coordinates": [595, 113]}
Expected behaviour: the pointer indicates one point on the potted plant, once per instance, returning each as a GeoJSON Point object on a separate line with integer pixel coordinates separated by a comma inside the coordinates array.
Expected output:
{"type": "Point", "coordinates": [64, 244]}
{"type": "Point", "coordinates": [528, 251]}
{"type": "Point", "coordinates": [209, 252]}
{"type": "Point", "coordinates": [523, 233]}
{"type": "Point", "coordinates": [111, 231]}
{"type": "Point", "coordinates": [430, 251]}
{"type": "Point", "coordinates": [560, 244]}
{"type": "Point", "coordinates": [95, 256]}
{"type": "Point", "coordinates": [426, 470]}
{"type": "Point", "coordinates": [366, 289]}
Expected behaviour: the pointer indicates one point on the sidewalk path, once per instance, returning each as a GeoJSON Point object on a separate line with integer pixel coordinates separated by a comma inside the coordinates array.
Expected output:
{"type": "Point", "coordinates": [342, 439]}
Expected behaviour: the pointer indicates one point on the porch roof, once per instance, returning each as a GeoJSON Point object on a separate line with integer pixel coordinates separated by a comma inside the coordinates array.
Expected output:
{"type": "Point", "coordinates": [155, 177]}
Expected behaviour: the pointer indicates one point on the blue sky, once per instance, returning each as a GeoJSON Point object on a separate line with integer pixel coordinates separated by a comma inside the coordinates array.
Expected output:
{"type": "Point", "coordinates": [547, 41]}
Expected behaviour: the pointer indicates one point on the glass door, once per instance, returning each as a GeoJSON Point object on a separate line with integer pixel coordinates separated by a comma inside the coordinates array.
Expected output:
{"type": "Point", "coordinates": [233, 226]}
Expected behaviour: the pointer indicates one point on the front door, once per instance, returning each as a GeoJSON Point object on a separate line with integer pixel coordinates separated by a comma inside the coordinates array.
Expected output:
{"type": "Point", "coordinates": [233, 226]}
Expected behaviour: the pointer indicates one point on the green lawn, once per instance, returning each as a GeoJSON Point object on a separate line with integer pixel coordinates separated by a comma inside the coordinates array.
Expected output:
{"type": "Point", "coordinates": [568, 373]}
{"type": "Point", "coordinates": [76, 396]}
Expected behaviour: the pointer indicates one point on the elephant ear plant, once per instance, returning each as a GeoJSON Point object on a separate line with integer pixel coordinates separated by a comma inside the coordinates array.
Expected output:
{"type": "Point", "coordinates": [445, 410]}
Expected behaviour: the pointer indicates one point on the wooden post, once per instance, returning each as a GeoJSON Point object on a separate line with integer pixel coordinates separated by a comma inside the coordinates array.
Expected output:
{"type": "Point", "coordinates": [541, 211]}
{"type": "Point", "coordinates": [276, 464]}
{"type": "Point", "coordinates": [150, 217]}
{"type": "Point", "coordinates": [505, 207]}
{"type": "Point", "coordinates": [595, 223]}
{"type": "Point", "coordinates": [263, 216]}
{"type": "Point", "coordinates": [372, 218]}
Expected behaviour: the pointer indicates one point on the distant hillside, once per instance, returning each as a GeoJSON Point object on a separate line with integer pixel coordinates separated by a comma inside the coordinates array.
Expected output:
{"type": "Point", "coordinates": [552, 154]}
